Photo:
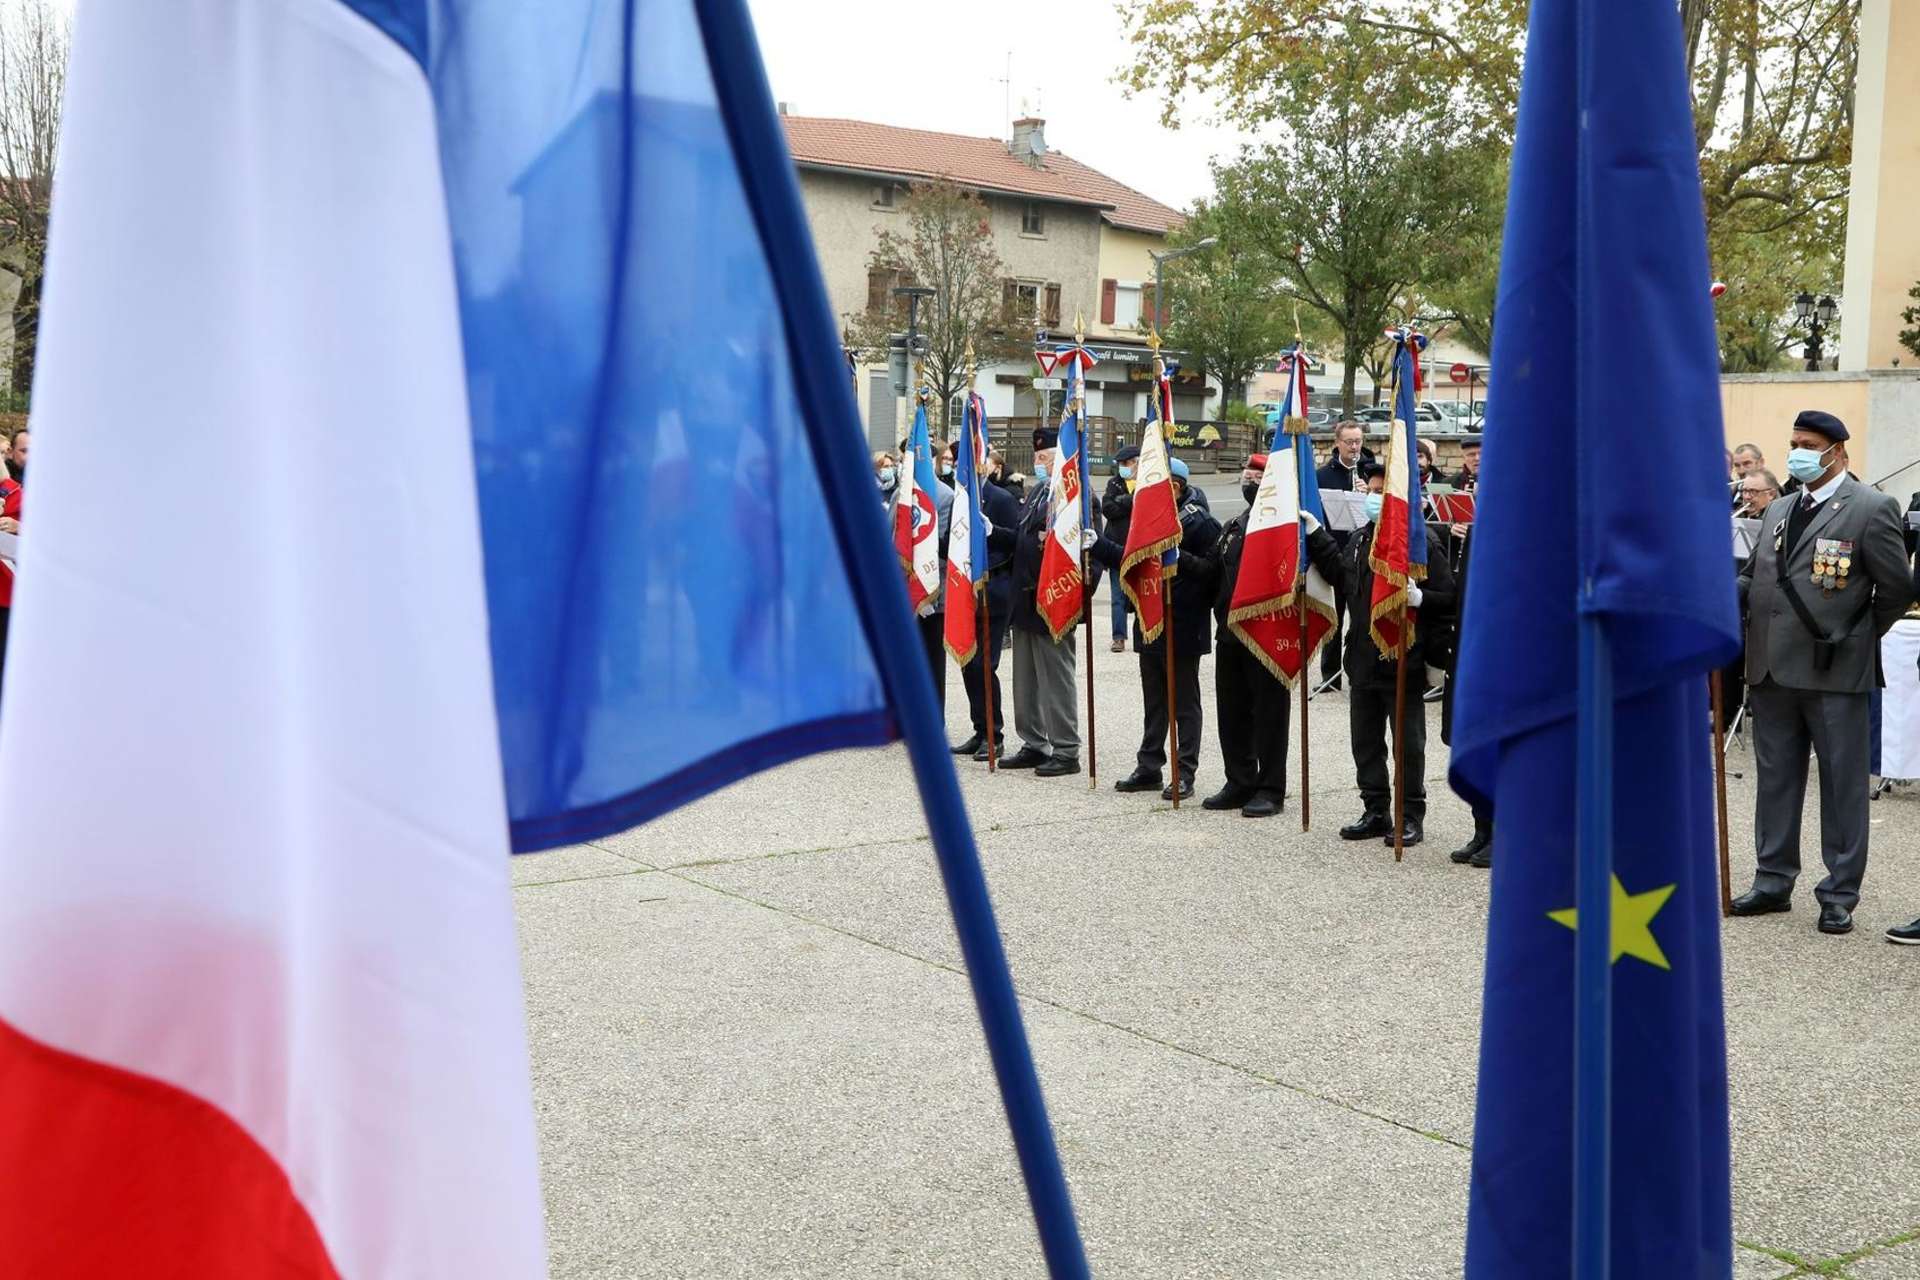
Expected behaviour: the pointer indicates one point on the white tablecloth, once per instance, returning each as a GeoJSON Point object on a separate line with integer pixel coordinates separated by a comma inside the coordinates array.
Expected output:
{"type": "Point", "coordinates": [1900, 703]}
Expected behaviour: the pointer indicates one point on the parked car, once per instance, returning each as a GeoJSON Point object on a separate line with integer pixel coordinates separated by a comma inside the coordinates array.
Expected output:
{"type": "Point", "coordinates": [1383, 413]}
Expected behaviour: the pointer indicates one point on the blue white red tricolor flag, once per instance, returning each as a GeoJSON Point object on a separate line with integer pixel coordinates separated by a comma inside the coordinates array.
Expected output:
{"type": "Point", "coordinates": [967, 535]}
{"type": "Point", "coordinates": [1282, 609]}
{"type": "Point", "coordinates": [1153, 537]}
{"type": "Point", "coordinates": [613, 545]}
{"type": "Point", "coordinates": [1399, 553]}
{"type": "Point", "coordinates": [916, 517]}
{"type": "Point", "coordinates": [1061, 592]}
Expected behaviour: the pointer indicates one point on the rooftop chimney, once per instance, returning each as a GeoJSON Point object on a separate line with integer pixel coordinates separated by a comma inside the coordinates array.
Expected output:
{"type": "Point", "coordinates": [783, 108]}
{"type": "Point", "coordinates": [1029, 140]}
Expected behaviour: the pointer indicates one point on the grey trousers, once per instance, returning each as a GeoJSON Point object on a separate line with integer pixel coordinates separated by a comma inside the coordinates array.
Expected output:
{"type": "Point", "coordinates": [1786, 724]}
{"type": "Point", "coordinates": [1046, 714]}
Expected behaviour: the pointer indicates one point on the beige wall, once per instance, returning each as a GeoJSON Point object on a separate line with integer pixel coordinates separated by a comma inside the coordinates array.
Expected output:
{"type": "Point", "coordinates": [1126, 256]}
{"type": "Point", "coordinates": [1883, 244]}
{"type": "Point", "coordinates": [1759, 408]}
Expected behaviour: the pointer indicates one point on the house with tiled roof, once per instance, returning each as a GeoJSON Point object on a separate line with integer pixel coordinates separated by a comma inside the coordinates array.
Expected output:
{"type": "Point", "coordinates": [1073, 239]}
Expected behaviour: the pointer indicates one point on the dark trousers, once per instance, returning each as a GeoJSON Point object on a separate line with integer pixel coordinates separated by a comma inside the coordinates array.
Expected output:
{"type": "Point", "coordinates": [933, 637]}
{"type": "Point", "coordinates": [970, 678]}
{"type": "Point", "coordinates": [1190, 718]}
{"type": "Point", "coordinates": [1253, 712]}
{"type": "Point", "coordinates": [1370, 716]}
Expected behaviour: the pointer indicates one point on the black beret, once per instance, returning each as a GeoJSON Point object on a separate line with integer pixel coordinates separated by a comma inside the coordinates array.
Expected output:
{"type": "Point", "coordinates": [1367, 468]}
{"type": "Point", "coordinates": [1127, 454]}
{"type": "Point", "coordinates": [1820, 423]}
{"type": "Point", "coordinates": [1046, 437]}
{"type": "Point", "coordinates": [1471, 442]}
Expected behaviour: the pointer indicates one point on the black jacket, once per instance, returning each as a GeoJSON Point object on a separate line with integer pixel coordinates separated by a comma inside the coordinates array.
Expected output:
{"type": "Point", "coordinates": [1193, 586]}
{"type": "Point", "coordinates": [1116, 504]}
{"type": "Point", "coordinates": [1338, 478]}
{"type": "Point", "coordinates": [1003, 513]}
{"type": "Point", "coordinates": [1029, 542]}
{"type": "Point", "coordinates": [1322, 550]}
{"type": "Point", "coordinates": [1363, 662]}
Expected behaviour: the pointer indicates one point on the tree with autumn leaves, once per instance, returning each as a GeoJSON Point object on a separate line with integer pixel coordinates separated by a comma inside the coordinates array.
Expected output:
{"type": "Point", "coordinates": [947, 246]}
{"type": "Point", "coordinates": [1772, 89]}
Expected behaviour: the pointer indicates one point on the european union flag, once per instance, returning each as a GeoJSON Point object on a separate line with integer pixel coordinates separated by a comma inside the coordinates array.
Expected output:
{"type": "Point", "coordinates": [1604, 269]}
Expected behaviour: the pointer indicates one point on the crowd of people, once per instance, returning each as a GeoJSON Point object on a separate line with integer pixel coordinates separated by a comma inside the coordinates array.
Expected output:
{"type": "Point", "coordinates": [1830, 570]}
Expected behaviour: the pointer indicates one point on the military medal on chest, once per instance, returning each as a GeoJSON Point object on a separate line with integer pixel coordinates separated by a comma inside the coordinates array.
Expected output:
{"type": "Point", "coordinates": [1832, 562]}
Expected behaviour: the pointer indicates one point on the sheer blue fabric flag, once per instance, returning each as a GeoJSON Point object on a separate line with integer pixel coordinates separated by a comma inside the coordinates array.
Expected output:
{"type": "Point", "coordinates": [1604, 268]}
{"type": "Point", "coordinates": [688, 572]}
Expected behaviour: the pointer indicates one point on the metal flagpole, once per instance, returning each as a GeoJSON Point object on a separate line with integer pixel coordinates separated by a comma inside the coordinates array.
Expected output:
{"type": "Point", "coordinates": [1173, 694]}
{"type": "Point", "coordinates": [1717, 698]}
{"type": "Point", "coordinates": [986, 571]}
{"type": "Point", "coordinates": [1297, 428]}
{"type": "Point", "coordinates": [1399, 733]}
{"type": "Point", "coordinates": [1079, 406]}
{"type": "Point", "coordinates": [1593, 953]}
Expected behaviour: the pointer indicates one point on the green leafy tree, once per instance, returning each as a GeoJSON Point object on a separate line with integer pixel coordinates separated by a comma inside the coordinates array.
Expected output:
{"type": "Point", "coordinates": [1226, 313]}
{"type": "Point", "coordinates": [1910, 337]}
{"type": "Point", "coordinates": [1359, 204]}
{"type": "Point", "coordinates": [1772, 84]}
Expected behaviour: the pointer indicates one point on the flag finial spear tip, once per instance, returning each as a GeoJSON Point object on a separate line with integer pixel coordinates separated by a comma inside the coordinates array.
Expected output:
{"type": "Point", "coordinates": [1079, 327]}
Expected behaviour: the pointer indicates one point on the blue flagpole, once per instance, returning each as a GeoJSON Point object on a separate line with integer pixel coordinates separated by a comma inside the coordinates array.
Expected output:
{"type": "Point", "coordinates": [1593, 954]}
{"type": "Point", "coordinates": [746, 104]}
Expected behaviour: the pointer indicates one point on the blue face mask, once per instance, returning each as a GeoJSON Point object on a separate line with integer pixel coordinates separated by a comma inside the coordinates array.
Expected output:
{"type": "Point", "coordinates": [886, 477]}
{"type": "Point", "coordinates": [1039, 471]}
{"type": "Point", "coordinates": [1374, 502]}
{"type": "Point", "coordinates": [1126, 472]}
{"type": "Point", "coordinates": [1807, 465]}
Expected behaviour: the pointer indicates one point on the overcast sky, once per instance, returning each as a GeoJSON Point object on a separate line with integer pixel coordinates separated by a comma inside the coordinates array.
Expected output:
{"type": "Point", "coordinates": [941, 67]}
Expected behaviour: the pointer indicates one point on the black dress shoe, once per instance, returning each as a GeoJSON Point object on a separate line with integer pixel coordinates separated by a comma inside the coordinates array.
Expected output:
{"type": "Point", "coordinates": [1024, 758]}
{"type": "Point", "coordinates": [1138, 780]}
{"type": "Point", "coordinates": [999, 752]}
{"type": "Point", "coordinates": [1464, 854]}
{"type": "Point", "coordinates": [1906, 935]}
{"type": "Point", "coordinates": [1483, 856]}
{"type": "Point", "coordinates": [1410, 835]}
{"type": "Point", "coordinates": [1264, 804]}
{"type": "Point", "coordinates": [1058, 767]}
{"type": "Point", "coordinates": [1186, 790]}
{"type": "Point", "coordinates": [1369, 825]}
{"type": "Point", "coordinates": [1758, 902]}
{"type": "Point", "coordinates": [1835, 918]}
{"type": "Point", "coordinates": [971, 745]}
{"type": "Point", "coordinates": [1230, 796]}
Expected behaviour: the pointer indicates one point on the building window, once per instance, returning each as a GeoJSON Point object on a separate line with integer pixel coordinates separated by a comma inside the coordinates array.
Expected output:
{"type": "Point", "coordinates": [1033, 220]}
{"type": "Point", "coordinates": [1126, 307]}
{"type": "Point", "coordinates": [883, 195]}
{"type": "Point", "coordinates": [956, 414]}
{"type": "Point", "coordinates": [881, 282]}
{"type": "Point", "coordinates": [1021, 300]}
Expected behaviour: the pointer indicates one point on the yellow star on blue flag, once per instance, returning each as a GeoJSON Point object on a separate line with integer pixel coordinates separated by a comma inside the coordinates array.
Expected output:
{"type": "Point", "coordinates": [1633, 915]}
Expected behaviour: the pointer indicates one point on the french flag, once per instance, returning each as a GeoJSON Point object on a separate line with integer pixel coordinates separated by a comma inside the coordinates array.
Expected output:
{"type": "Point", "coordinates": [1062, 586]}
{"type": "Point", "coordinates": [448, 452]}
{"type": "Point", "coordinates": [1152, 552]}
{"type": "Point", "coordinates": [967, 535]}
{"type": "Point", "coordinates": [1399, 552]}
{"type": "Point", "coordinates": [916, 522]}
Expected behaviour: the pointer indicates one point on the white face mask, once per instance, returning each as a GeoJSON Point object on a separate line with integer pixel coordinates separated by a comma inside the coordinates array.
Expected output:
{"type": "Point", "coordinates": [1374, 502]}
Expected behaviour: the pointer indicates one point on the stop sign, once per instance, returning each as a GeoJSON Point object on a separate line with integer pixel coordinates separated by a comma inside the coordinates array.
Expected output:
{"type": "Point", "coordinates": [1460, 373]}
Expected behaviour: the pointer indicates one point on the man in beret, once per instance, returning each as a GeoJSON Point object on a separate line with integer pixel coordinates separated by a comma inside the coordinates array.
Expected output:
{"type": "Point", "coordinates": [1827, 578]}
{"type": "Point", "coordinates": [1046, 713]}
{"type": "Point", "coordinates": [1250, 703]}
{"type": "Point", "coordinates": [1192, 596]}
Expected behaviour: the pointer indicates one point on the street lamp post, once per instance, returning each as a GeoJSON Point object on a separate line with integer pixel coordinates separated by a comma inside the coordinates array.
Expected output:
{"type": "Point", "coordinates": [1816, 318]}
{"type": "Point", "coordinates": [1160, 261]}
{"type": "Point", "coordinates": [913, 293]}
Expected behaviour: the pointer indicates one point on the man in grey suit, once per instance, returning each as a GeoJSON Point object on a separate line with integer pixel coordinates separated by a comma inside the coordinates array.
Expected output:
{"type": "Point", "coordinates": [1827, 578]}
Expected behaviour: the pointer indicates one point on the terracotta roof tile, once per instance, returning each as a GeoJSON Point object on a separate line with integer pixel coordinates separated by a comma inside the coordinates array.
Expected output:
{"type": "Point", "coordinates": [981, 163]}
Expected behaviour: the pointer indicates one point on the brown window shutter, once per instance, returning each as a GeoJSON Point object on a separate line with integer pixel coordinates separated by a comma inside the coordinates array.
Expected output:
{"type": "Point", "coordinates": [1109, 290]}
{"type": "Point", "coordinates": [877, 289]}
{"type": "Point", "coordinates": [1009, 297]}
{"type": "Point", "coordinates": [1148, 310]}
{"type": "Point", "coordinates": [1053, 305]}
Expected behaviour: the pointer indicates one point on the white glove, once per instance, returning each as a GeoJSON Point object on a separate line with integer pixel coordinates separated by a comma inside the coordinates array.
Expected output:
{"type": "Point", "coordinates": [1414, 595]}
{"type": "Point", "coordinates": [1087, 538]}
{"type": "Point", "coordinates": [986, 525]}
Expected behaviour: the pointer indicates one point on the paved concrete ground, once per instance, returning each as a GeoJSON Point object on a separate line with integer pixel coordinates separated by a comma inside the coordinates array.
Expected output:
{"type": "Point", "coordinates": [754, 1053]}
